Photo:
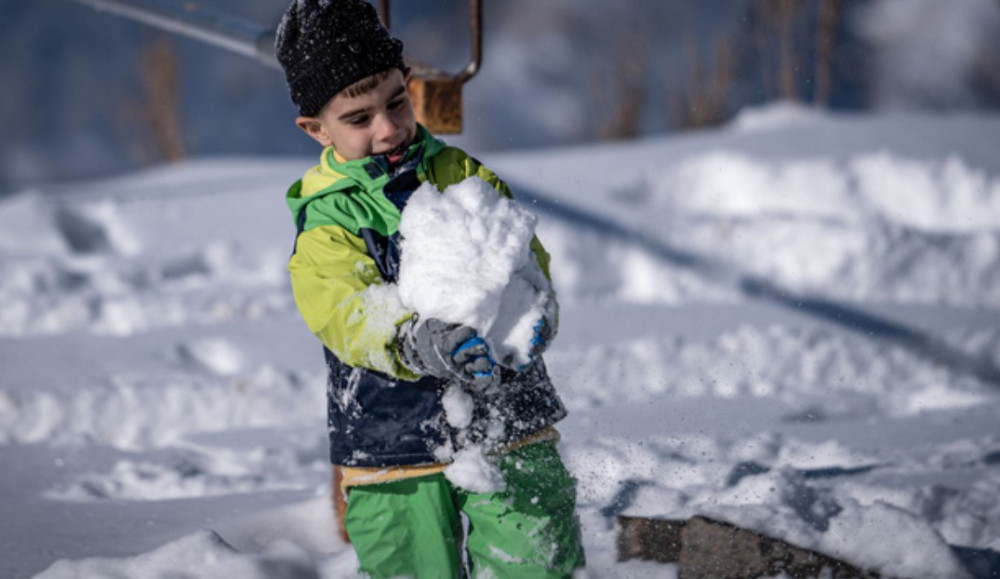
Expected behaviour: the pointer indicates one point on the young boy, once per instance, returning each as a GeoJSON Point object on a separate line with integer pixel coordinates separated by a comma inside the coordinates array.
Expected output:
{"type": "Point", "coordinates": [388, 429]}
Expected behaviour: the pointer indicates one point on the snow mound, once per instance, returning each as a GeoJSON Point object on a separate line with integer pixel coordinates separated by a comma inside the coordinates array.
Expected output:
{"type": "Point", "coordinates": [681, 476]}
{"type": "Point", "coordinates": [874, 226]}
{"type": "Point", "coordinates": [218, 355]}
{"type": "Point", "coordinates": [466, 259]}
{"type": "Point", "coordinates": [95, 228]}
{"type": "Point", "coordinates": [774, 115]}
{"type": "Point", "coordinates": [940, 196]}
{"type": "Point", "coordinates": [933, 196]}
{"type": "Point", "coordinates": [845, 375]}
{"type": "Point", "coordinates": [203, 555]}
{"type": "Point", "coordinates": [141, 410]}
{"type": "Point", "coordinates": [191, 472]}
{"type": "Point", "coordinates": [27, 228]}
{"type": "Point", "coordinates": [916, 549]}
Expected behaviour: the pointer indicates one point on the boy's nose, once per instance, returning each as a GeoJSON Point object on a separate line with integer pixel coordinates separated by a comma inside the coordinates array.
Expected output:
{"type": "Point", "coordinates": [385, 127]}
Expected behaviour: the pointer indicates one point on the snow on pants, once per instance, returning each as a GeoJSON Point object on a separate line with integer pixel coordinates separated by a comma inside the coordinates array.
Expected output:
{"type": "Point", "coordinates": [413, 527]}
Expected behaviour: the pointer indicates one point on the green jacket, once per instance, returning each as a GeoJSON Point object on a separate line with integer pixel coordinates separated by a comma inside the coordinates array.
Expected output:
{"type": "Point", "coordinates": [331, 268]}
{"type": "Point", "coordinates": [378, 412]}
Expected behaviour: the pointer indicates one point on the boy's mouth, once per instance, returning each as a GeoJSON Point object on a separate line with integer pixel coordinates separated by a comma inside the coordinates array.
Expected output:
{"type": "Point", "coordinates": [396, 155]}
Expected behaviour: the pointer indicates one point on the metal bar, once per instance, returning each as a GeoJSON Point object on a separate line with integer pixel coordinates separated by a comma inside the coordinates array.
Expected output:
{"type": "Point", "coordinates": [476, 41]}
{"type": "Point", "coordinates": [233, 34]}
{"type": "Point", "coordinates": [384, 14]}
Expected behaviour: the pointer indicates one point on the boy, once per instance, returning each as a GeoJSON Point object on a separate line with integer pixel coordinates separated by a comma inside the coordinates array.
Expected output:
{"type": "Point", "coordinates": [388, 429]}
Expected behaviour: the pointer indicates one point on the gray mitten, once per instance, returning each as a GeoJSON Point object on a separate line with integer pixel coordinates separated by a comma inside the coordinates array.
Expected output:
{"type": "Point", "coordinates": [444, 350]}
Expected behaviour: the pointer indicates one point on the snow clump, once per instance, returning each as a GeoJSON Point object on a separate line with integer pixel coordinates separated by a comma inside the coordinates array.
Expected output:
{"type": "Point", "coordinates": [467, 259]}
{"type": "Point", "coordinates": [474, 471]}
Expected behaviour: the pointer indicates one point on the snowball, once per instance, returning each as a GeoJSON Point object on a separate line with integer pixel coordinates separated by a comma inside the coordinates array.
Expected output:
{"type": "Point", "coordinates": [466, 259]}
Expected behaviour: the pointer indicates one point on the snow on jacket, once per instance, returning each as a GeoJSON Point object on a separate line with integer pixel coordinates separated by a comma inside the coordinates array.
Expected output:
{"type": "Point", "coordinates": [379, 412]}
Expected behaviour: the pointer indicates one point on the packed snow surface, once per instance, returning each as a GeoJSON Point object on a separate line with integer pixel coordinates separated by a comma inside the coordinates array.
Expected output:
{"type": "Point", "coordinates": [790, 324]}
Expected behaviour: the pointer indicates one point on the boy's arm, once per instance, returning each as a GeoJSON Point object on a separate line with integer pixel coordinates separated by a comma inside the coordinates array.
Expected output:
{"type": "Point", "coordinates": [342, 298]}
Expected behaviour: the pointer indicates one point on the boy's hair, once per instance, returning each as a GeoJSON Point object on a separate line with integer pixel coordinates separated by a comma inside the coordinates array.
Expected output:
{"type": "Point", "coordinates": [327, 46]}
{"type": "Point", "coordinates": [365, 85]}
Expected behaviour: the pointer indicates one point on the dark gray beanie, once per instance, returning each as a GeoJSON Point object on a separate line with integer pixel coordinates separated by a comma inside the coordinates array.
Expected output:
{"type": "Point", "coordinates": [327, 45]}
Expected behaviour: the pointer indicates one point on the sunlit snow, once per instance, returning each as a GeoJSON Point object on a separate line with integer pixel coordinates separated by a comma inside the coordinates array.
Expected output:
{"type": "Point", "coordinates": [789, 324]}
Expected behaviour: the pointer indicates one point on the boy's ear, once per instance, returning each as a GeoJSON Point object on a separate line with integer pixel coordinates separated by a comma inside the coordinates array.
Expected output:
{"type": "Point", "coordinates": [314, 129]}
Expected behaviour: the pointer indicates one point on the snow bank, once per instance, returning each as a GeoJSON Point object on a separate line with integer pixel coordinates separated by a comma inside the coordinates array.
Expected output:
{"type": "Point", "coordinates": [900, 209]}
{"type": "Point", "coordinates": [775, 115]}
{"type": "Point", "coordinates": [873, 227]}
{"type": "Point", "coordinates": [139, 410]}
{"type": "Point", "coordinates": [682, 476]}
{"type": "Point", "coordinates": [915, 550]}
{"type": "Point", "coordinates": [204, 555]}
{"type": "Point", "coordinates": [756, 413]}
{"type": "Point", "coordinates": [193, 472]}
{"type": "Point", "coordinates": [122, 256]}
{"type": "Point", "coordinates": [841, 374]}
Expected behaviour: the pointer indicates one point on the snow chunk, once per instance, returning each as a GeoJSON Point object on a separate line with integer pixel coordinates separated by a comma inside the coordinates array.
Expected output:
{"type": "Point", "coordinates": [382, 310]}
{"type": "Point", "coordinates": [458, 406]}
{"type": "Point", "coordinates": [216, 355]}
{"type": "Point", "coordinates": [96, 228]}
{"type": "Point", "coordinates": [472, 470]}
{"type": "Point", "coordinates": [830, 454]}
{"type": "Point", "coordinates": [915, 550]}
{"type": "Point", "coordinates": [467, 260]}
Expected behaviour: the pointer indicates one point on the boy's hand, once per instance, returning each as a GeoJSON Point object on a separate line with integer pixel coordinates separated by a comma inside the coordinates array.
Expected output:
{"type": "Point", "coordinates": [447, 351]}
{"type": "Point", "coordinates": [545, 329]}
{"type": "Point", "coordinates": [543, 336]}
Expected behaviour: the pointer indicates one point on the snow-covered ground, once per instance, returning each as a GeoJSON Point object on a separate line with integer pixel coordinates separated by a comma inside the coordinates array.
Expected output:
{"type": "Point", "coordinates": [791, 323]}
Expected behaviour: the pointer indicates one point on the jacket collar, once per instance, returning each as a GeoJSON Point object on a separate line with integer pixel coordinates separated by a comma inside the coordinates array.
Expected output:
{"type": "Point", "coordinates": [373, 172]}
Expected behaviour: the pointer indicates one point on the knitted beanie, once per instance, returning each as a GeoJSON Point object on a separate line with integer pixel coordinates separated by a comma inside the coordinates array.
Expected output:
{"type": "Point", "coordinates": [324, 46]}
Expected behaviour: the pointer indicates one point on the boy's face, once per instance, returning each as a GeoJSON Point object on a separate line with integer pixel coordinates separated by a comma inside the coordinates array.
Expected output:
{"type": "Point", "coordinates": [379, 122]}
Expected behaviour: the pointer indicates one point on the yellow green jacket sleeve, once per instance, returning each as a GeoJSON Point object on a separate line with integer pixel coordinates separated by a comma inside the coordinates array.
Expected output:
{"type": "Point", "coordinates": [341, 296]}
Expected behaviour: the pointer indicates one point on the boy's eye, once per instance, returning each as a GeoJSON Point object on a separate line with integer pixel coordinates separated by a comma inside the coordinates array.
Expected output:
{"type": "Point", "coordinates": [395, 104]}
{"type": "Point", "coordinates": [358, 121]}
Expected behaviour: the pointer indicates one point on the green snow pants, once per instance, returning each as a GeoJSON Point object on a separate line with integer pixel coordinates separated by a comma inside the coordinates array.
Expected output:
{"type": "Point", "coordinates": [413, 527]}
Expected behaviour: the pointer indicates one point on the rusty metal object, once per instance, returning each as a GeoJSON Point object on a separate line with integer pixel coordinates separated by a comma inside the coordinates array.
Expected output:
{"type": "Point", "coordinates": [437, 102]}
{"type": "Point", "coordinates": [437, 95]}
{"type": "Point", "coordinates": [706, 549]}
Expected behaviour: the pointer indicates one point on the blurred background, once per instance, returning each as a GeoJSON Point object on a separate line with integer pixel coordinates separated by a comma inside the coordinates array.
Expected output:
{"type": "Point", "coordinates": [88, 94]}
